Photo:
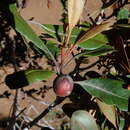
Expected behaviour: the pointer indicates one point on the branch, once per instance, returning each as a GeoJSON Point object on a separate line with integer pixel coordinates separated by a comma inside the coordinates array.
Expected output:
{"type": "Point", "coordinates": [57, 101]}
{"type": "Point", "coordinates": [74, 57]}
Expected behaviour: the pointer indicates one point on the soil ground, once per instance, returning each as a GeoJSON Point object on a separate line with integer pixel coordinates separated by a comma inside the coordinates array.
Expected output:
{"type": "Point", "coordinates": [38, 10]}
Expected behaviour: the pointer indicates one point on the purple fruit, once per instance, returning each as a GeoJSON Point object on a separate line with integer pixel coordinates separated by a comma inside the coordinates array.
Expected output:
{"type": "Point", "coordinates": [63, 85]}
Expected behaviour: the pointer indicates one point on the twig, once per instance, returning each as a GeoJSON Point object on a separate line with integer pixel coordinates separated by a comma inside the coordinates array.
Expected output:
{"type": "Point", "coordinates": [42, 102]}
{"type": "Point", "coordinates": [65, 42]}
{"type": "Point", "coordinates": [21, 112]}
{"type": "Point", "coordinates": [74, 57]}
{"type": "Point", "coordinates": [57, 101]}
{"type": "Point", "coordinates": [93, 64]}
{"type": "Point", "coordinates": [26, 119]}
{"type": "Point", "coordinates": [37, 112]}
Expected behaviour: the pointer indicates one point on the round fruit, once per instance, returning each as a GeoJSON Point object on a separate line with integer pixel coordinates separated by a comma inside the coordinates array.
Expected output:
{"type": "Point", "coordinates": [63, 85]}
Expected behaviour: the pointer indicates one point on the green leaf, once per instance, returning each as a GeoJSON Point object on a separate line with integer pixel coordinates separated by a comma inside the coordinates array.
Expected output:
{"type": "Point", "coordinates": [23, 78]}
{"type": "Point", "coordinates": [52, 30]}
{"type": "Point", "coordinates": [122, 123]}
{"type": "Point", "coordinates": [108, 90]}
{"type": "Point", "coordinates": [53, 48]}
{"type": "Point", "coordinates": [23, 28]}
{"type": "Point", "coordinates": [103, 50]}
{"type": "Point", "coordinates": [74, 34]}
{"type": "Point", "coordinates": [109, 111]}
{"type": "Point", "coordinates": [56, 31]}
{"type": "Point", "coordinates": [82, 120]}
{"type": "Point", "coordinates": [123, 14]}
{"type": "Point", "coordinates": [95, 42]}
{"type": "Point", "coordinates": [37, 75]}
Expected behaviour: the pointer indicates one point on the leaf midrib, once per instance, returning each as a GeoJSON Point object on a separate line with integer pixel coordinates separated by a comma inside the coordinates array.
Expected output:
{"type": "Point", "coordinates": [103, 90]}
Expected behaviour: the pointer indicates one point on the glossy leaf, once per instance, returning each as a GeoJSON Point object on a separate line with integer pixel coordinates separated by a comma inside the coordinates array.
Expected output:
{"type": "Point", "coordinates": [52, 30]}
{"type": "Point", "coordinates": [75, 9]}
{"type": "Point", "coordinates": [103, 50]}
{"type": "Point", "coordinates": [23, 28]}
{"type": "Point", "coordinates": [53, 48]}
{"type": "Point", "coordinates": [95, 42]}
{"type": "Point", "coordinates": [123, 14]}
{"type": "Point", "coordinates": [92, 32]}
{"type": "Point", "coordinates": [82, 120]}
{"type": "Point", "coordinates": [23, 78]}
{"type": "Point", "coordinates": [109, 111]}
{"type": "Point", "coordinates": [37, 75]}
{"type": "Point", "coordinates": [56, 31]}
{"type": "Point", "coordinates": [108, 90]}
